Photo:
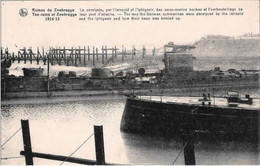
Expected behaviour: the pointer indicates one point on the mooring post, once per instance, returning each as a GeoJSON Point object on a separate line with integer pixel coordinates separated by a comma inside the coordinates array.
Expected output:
{"type": "Point", "coordinates": [27, 142]}
{"type": "Point", "coordinates": [99, 144]}
{"type": "Point", "coordinates": [188, 143]}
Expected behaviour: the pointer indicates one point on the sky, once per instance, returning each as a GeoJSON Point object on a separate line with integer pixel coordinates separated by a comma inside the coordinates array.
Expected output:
{"type": "Point", "coordinates": [29, 31]}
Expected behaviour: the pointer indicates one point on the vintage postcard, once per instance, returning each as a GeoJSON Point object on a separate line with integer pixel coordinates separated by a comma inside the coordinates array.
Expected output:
{"type": "Point", "coordinates": [130, 82]}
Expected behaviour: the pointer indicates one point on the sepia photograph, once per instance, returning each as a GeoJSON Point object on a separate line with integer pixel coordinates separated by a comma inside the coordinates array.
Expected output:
{"type": "Point", "coordinates": [130, 82]}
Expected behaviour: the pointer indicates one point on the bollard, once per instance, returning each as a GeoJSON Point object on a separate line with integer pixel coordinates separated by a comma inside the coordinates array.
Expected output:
{"type": "Point", "coordinates": [99, 144]}
{"type": "Point", "coordinates": [27, 142]}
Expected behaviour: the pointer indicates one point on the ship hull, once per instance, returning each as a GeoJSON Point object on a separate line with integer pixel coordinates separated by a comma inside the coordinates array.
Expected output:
{"type": "Point", "coordinates": [158, 118]}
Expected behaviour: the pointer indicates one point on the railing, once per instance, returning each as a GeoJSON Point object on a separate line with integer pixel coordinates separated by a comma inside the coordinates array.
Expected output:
{"type": "Point", "coordinates": [99, 145]}
{"type": "Point", "coordinates": [187, 136]}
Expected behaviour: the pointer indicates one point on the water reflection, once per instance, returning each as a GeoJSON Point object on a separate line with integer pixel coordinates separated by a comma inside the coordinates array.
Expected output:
{"type": "Point", "coordinates": [143, 149]}
{"type": "Point", "coordinates": [60, 127]}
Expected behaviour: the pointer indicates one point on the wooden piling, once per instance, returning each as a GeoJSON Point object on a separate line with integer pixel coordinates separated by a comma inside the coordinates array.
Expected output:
{"type": "Point", "coordinates": [19, 56]}
{"type": "Point", "coordinates": [64, 55]}
{"type": "Point", "coordinates": [115, 52]}
{"type": "Point", "coordinates": [2, 56]}
{"type": "Point", "coordinates": [88, 54]}
{"type": "Point", "coordinates": [59, 56]}
{"type": "Point", "coordinates": [79, 55]}
{"type": "Point", "coordinates": [144, 51]}
{"type": "Point", "coordinates": [5, 66]}
{"type": "Point", "coordinates": [106, 52]}
{"type": "Point", "coordinates": [133, 52]}
{"type": "Point", "coordinates": [125, 53]}
{"type": "Point", "coordinates": [44, 58]}
{"type": "Point", "coordinates": [122, 53]}
{"type": "Point", "coordinates": [31, 54]}
{"type": "Point", "coordinates": [76, 56]}
{"type": "Point", "coordinates": [53, 53]}
{"type": "Point", "coordinates": [48, 74]}
{"type": "Point", "coordinates": [97, 53]}
{"type": "Point", "coordinates": [112, 55]}
{"type": "Point", "coordinates": [37, 56]}
{"type": "Point", "coordinates": [71, 55]}
{"type": "Point", "coordinates": [52, 56]}
{"type": "Point", "coordinates": [84, 63]}
{"type": "Point", "coordinates": [68, 59]}
{"type": "Point", "coordinates": [93, 57]}
{"type": "Point", "coordinates": [188, 143]}
{"type": "Point", "coordinates": [13, 58]}
{"type": "Point", "coordinates": [99, 144]}
{"type": "Point", "coordinates": [27, 142]}
{"type": "Point", "coordinates": [103, 60]}
{"type": "Point", "coordinates": [41, 56]}
{"type": "Point", "coordinates": [24, 55]}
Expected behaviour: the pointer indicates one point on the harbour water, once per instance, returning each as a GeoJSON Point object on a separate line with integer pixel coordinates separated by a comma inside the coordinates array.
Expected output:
{"type": "Point", "coordinates": [60, 126]}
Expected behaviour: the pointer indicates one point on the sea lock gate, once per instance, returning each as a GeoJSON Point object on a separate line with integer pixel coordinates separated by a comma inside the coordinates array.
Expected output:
{"type": "Point", "coordinates": [187, 136]}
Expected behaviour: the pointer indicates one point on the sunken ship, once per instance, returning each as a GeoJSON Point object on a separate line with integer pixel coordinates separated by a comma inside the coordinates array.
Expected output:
{"type": "Point", "coordinates": [167, 115]}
